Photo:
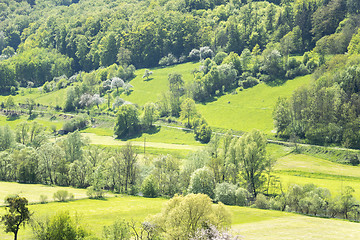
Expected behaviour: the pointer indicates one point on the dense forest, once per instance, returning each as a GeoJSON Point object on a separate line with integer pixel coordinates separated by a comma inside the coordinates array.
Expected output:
{"type": "Point", "coordinates": [44, 39]}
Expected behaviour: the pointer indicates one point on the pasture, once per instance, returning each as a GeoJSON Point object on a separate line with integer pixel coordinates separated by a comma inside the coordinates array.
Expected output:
{"type": "Point", "coordinates": [248, 222]}
{"type": "Point", "coordinates": [150, 90]}
{"type": "Point", "coordinates": [250, 108]}
{"type": "Point", "coordinates": [32, 192]}
{"type": "Point", "coordinates": [303, 169]}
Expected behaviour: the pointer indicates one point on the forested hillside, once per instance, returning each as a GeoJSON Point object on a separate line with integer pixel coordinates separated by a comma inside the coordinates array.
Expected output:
{"type": "Point", "coordinates": [43, 39]}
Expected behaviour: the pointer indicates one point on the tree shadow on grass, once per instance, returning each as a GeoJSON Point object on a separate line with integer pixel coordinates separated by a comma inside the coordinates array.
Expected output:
{"type": "Point", "coordinates": [148, 79]}
{"type": "Point", "coordinates": [12, 117]}
{"type": "Point", "coordinates": [99, 199]}
{"type": "Point", "coordinates": [210, 99]}
{"type": "Point", "coordinates": [33, 116]}
{"type": "Point", "coordinates": [152, 130]}
{"type": "Point", "coordinates": [276, 83]}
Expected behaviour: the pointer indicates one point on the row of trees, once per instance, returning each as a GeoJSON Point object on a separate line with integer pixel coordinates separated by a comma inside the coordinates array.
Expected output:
{"type": "Point", "coordinates": [27, 156]}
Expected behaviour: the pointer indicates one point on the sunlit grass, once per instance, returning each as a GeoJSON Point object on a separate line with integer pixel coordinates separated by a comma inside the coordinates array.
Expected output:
{"type": "Point", "coordinates": [248, 222]}
{"type": "Point", "coordinates": [32, 192]}
{"type": "Point", "coordinates": [149, 91]}
{"type": "Point", "coordinates": [250, 108]}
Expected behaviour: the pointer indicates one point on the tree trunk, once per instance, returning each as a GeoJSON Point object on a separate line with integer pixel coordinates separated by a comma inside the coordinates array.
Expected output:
{"type": "Point", "coordinates": [15, 233]}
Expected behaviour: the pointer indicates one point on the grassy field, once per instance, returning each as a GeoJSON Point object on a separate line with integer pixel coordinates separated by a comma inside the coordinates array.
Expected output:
{"type": "Point", "coordinates": [149, 91]}
{"type": "Point", "coordinates": [160, 134]}
{"type": "Point", "coordinates": [250, 223]}
{"type": "Point", "coordinates": [249, 109]}
{"type": "Point", "coordinates": [33, 191]}
{"type": "Point", "coordinates": [303, 169]}
{"type": "Point", "coordinates": [110, 141]}
{"type": "Point", "coordinates": [55, 98]}
{"type": "Point", "coordinates": [335, 185]}
{"type": "Point", "coordinates": [305, 163]}
{"type": "Point", "coordinates": [45, 121]}
{"type": "Point", "coordinates": [299, 227]}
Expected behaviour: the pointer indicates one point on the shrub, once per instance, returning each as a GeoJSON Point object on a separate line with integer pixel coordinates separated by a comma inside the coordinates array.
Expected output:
{"type": "Point", "coordinates": [203, 133]}
{"type": "Point", "coordinates": [225, 193]}
{"type": "Point", "coordinates": [92, 192]}
{"type": "Point", "coordinates": [182, 216]}
{"type": "Point", "coordinates": [74, 124]}
{"type": "Point", "coordinates": [219, 57]}
{"type": "Point", "coordinates": [249, 82]}
{"type": "Point", "coordinates": [194, 55]}
{"type": "Point", "coordinates": [212, 232]}
{"type": "Point", "coordinates": [353, 159]}
{"type": "Point", "coordinates": [60, 226]}
{"type": "Point", "coordinates": [43, 198]}
{"type": "Point", "coordinates": [242, 197]}
{"type": "Point", "coordinates": [202, 181]}
{"type": "Point", "coordinates": [119, 230]}
{"type": "Point", "coordinates": [168, 60]}
{"type": "Point", "coordinates": [261, 202]}
{"type": "Point", "coordinates": [63, 195]}
{"type": "Point", "coordinates": [149, 188]}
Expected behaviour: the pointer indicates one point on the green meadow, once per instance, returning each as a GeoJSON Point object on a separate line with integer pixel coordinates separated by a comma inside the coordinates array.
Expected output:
{"type": "Point", "coordinates": [304, 169]}
{"type": "Point", "coordinates": [160, 134]}
{"type": "Point", "coordinates": [42, 120]}
{"type": "Point", "coordinates": [248, 222]}
{"type": "Point", "coordinates": [250, 108]}
{"type": "Point", "coordinates": [150, 90]}
{"type": "Point", "coordinates": [55, 98]}
{"type": "Point", "coordinates": [32, 192]}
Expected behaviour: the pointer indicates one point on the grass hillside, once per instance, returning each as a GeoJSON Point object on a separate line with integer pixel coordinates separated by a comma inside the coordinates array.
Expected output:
{"type": "Point", "coordinates": [248, 222]}
{"type": "Point", "coordinates": [250, 108]}
{"type": "Point", "coordinates": [55, 98]}
{"type": "Point", "coordinates": [150, 90]}
{"type": "Point", "coordinates": [13, 122]}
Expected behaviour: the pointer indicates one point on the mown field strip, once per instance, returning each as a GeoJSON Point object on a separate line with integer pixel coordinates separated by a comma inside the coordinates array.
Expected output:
{"type": "Point", "coordinates": [312, 164]}
{"type": "Point", "coordinates": [110, 141]}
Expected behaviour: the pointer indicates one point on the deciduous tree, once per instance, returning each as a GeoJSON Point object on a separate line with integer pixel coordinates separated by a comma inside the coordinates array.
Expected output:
{"type": "Point", "coordinates": [17, 214]}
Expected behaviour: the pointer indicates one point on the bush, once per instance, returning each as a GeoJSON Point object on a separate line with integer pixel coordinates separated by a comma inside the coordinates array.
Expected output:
{"type": "Point", "coordinates": [168, 60]}
{"type": "Point", "coordinates": [149, 188]}
{"type": "Point", "coordinates": [74, 124]}
{"type": "Point", "coordinates": [242, 197]}
{"type": "Point", "coordinates": [194, 55]}
{"type": "Point", "coordinates": [261, 202]}
{"type": "Point", "coordinates": [92, 192]}
{"type": "Point", "coordinates": [203, 133]}
{"type": "Point", "coordinates": [63, 195]}
{"type": "Point", "coordinates": [249, 82]}
{"type": "Point", "coordinates": [43, 199]}
{"type": "Point", "coordinates": [219, 57]}
{"type": "Point", "coordinates": [60, 226]}
{"type": "Point", "coordinates": [202, 181]}
{"type": "Point", "coordinates": [119, 230]}
{"type": "Point", "coordinates": [225, 193]}
{"type": "Point", "coordinates": [353, 159]}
